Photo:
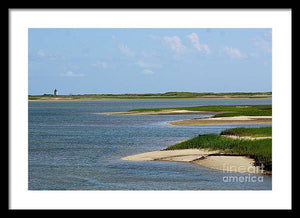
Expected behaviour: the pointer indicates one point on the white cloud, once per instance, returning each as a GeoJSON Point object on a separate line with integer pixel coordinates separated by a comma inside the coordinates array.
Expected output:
{"type": "Point", "coordinates": [155, 37]}
{"type": "Point", "coordinates": [264, 42]}
{"type": "Point", "coordinates": [100, 64]}
{"type": "Point", "coordinates": [254, 54]}
{"type": "Point", "coordinates": [48, 56]}
{"type": "Point", "coordinates": [41, 53]}
{"type": "Point", "coordinates": [147, 72]}
{"type": "Point", "coordinates": [175, 43]}
{"type": "Point", "coordinates": [104, 64]}
{"type": "Point", "coordinates": [71, 74]}
{"type": "Point", "coordinates": [53, 57]}
{"type": "Point", "coordinates": [193, 37]}
{"type": "Point", "coordinates": [125, 50]}
{"type": "Point", "coordinates": [144, 64]}
{"type": "Point", "coordinates": [233, 52]}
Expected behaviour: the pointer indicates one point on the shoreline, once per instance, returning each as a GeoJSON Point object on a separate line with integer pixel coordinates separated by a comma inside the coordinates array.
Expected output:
{"type": "Point", "coordinates": [205, 158]}
{"type": "Point", "coordinates": [213, 158]}
{"type": "Point", "coordinates": [210, 120]}
{"type": "Point", "coordinates": [224, 121]}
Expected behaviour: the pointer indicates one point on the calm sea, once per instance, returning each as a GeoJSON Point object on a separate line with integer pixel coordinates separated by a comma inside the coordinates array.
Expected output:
{"type": "Point", "coordinates": [73, 148]}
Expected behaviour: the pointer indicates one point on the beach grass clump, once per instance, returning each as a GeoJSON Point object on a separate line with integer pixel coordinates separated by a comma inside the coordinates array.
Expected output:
{"type": "Point", "coordinates": [259, 150]}
{"type": "Point", "coordinates": [252, 132]}
{"type": "Point", "coordinates": [222, 110]}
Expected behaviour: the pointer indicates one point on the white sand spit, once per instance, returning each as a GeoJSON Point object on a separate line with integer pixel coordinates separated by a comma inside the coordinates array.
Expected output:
{"type": "Point", "coordinates": [224, 121]}
{"type": "Point", "coordinates": [211, 159]}
{"type": "Point", "coordinates": [184, 155]}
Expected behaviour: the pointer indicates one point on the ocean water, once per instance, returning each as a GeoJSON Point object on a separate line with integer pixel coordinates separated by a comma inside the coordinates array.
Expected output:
{"type": "Point", "coordinates": [71, 147]}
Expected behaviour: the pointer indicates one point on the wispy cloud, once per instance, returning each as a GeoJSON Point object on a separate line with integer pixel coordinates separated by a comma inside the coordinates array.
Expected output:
{"type": "Point", "coordinates": [147, 72]}
{"type": "Point", "coordinates": [264, 42]}
{"type": "Point", "coordinates": [47, 56]}
{"type": "Point", "coordinates": [233, 52]}
{"type": "Point", "coordinates": [193, 37]}
{"type": "Point", "coordinates": [41, 53]}
{"type": "Point", "coordinates": [144, 64]}
{"type": "Point", "coordinates": [100, 64]}
{"type": "Point", "coordinates": [155, 37]}
{"type": "Point", "coordinates": [174, 43]}
{"type": "Point", "coordinates": [71, 74]}
{"type": "Point", "coordinates": [126, 51]}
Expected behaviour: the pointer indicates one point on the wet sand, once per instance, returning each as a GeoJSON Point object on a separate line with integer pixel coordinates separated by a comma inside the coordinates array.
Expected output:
{"type": "Point", "coordinates": [211, 159]}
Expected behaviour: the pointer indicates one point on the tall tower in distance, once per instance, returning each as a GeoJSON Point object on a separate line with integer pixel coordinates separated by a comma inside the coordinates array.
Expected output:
{"type": "Point", "coordinates": [55, 92]}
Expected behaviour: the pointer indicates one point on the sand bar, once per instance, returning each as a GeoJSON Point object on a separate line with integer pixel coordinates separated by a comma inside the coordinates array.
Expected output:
{"type": "Point", "coordinates": [163, 112]}
{"type": "Point", "coordinates": [200, 121]}
{"type": "Point", "coordinates": [211, 159]}
{"type": "Point", "coordinates": [224, 120]}
{"type": "Point", "coordinates": [183, 155]}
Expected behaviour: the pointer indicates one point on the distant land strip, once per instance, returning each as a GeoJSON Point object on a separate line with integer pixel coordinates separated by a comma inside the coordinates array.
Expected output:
{"type": "Point", "coordinates": [167, 95]}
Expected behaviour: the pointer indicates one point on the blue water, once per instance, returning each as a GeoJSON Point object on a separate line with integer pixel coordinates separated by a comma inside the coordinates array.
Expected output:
{"type": "Point", "coordinates": [73, 148]}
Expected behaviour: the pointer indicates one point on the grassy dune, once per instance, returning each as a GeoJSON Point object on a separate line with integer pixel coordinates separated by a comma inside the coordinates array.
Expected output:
{"type": "Point", "coordinates": [253, 132]}
{"type": "Point", "coordinates": [259, 150]}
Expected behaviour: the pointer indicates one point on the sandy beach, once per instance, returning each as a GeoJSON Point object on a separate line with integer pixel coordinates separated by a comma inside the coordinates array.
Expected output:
{"type": "Point", "coordinates": [211, 159]}
{"type": "Point", "coordinates": [224, 120]}
{"type": "Point", "coordinates": [206, 158]}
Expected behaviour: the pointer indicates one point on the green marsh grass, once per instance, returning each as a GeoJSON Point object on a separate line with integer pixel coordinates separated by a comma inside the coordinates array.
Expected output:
{"type": "Point", "coordinates": [260, 150]}
{"type": "Point", "coordinates": [253, 132]}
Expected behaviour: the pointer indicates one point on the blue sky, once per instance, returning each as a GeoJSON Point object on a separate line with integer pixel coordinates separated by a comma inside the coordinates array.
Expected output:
{"type": "Point", "coordinates": [85, 61]}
